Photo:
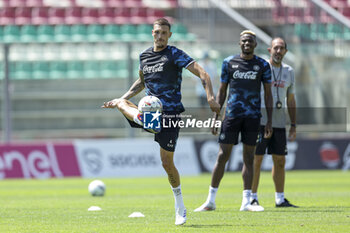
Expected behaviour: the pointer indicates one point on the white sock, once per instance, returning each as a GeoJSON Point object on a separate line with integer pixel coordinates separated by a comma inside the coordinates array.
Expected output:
{"type": "Point", "coordinates": [246, 196]}
{"type": "Point", "coordinates": [254, 196]}
{"type": "Point", "coordinates": [279, 198]}
{"type": "Point", "coordinates": [178, 197]}
{"type": "Point", "coordinates": [212, 194]}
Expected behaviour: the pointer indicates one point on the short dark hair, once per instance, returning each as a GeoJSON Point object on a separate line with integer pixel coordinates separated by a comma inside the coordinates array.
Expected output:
{"type": "Point", "coordinates": [281, 38]}
{"type": "Point", "coordinates": [162, 22]}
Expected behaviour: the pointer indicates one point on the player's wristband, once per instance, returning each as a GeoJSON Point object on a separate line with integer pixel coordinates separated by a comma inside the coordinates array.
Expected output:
{"type": "Point", "coordinates": [293, 125]}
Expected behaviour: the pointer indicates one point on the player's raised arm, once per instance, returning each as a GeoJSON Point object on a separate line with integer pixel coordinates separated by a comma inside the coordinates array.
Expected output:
{"type": "Point", "coordinates": [197, 70]}
{"type": "Point", "coordinates": [136, 88]}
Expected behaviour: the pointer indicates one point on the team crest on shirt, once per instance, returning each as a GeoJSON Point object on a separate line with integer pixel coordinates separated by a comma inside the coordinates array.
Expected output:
{"type": "Point", "coordinates": [256, 67]}
{"type": "Point", "coordinates": [164, 58]}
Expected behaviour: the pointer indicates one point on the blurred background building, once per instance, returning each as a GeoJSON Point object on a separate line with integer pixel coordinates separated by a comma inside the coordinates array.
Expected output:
{"type": "Point", "coordinates": [65, 58]}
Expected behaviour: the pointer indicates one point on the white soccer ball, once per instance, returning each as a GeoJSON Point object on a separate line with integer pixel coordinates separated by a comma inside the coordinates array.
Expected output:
{"type": "Point", "coordinates": [150, 104]}
{"type": "Point", "coordinates": [97, 188]}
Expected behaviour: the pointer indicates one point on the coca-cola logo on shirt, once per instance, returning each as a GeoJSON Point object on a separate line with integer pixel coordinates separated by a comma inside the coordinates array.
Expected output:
{"type": "Point", "coordinates": [245, 75]}
{"type": "Point", "coordinates": [153, 69]}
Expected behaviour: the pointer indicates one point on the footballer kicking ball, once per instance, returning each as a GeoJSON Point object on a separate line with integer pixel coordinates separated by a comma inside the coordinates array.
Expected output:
{"type": "Point", "coordinates": [150, 104]}
{"type": "Point", "coordinates": [97, 188]}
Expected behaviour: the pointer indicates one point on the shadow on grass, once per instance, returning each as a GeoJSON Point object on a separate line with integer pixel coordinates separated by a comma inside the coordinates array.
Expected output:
{"type": "Point", "coordinates": [314, 209]}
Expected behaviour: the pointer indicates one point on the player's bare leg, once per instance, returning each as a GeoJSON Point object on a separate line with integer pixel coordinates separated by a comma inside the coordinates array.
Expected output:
{"type": "Point", "coordinates": [247, 170]}
{"type": "Point", "coordinates": [127, 108]}
{"type": "Point", "coordinates": [256, 177]}
{"type": "Point", "coordinates": [167, 158]}
{"type": "Point", "coordinates": [278, 172]}
{"type": "Point", "coordinates": [247, 175]}
{"type": "Point", "coordinates": [278, 175]}
{"type": "Point", "coordinates": [219, 168]}
{"type": "Point", "coordinates": [218, 173]}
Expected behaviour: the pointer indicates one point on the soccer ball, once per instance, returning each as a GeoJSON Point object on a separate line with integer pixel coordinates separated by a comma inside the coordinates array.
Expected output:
{"type": "Point", "coordinates": [150, 104]}
{"type": "Point", "coordinates": [97, 188]}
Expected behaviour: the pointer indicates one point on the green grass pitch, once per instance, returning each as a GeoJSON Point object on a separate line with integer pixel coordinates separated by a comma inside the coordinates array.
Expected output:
{"type": "Point", "coordinates": [60, 205]}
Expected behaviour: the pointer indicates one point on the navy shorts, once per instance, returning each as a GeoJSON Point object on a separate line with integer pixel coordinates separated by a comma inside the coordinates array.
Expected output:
{"type": "Point", "coordinates": [276, 145]}
{"type": "Point", "coordinates": [168, 135]}
{"type": "Point", "coordinates": [231, 127]}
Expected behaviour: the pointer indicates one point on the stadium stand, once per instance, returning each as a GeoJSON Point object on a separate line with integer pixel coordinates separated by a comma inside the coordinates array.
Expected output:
{"type": "Point", "coordinates": [60, 51]}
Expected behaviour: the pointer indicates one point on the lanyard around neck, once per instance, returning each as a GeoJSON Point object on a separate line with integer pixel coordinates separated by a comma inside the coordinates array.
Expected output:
{"type": "Point", "coordinates": [277, 80]}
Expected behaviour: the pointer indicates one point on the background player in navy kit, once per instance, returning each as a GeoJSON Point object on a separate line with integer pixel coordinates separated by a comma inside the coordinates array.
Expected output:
{"type": "Point", "coordinates": [282, 88]}
{"type": "Point", "coordinates": [243, 73]}
{"type": "Point", "coordinates": [161, 74]}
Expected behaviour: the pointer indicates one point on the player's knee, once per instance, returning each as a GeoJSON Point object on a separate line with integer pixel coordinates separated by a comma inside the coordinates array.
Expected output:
{"type": "Point", "coordinates": [222, 158]}
{"type": "Point", "coordinates": [121, 104]}
{"type": "Point", "coordinates": [279, 162]}
{"type": "Point", "coordinates": [248, 159]}
{"type": "Point", "coordinates": [167, 164]}
{"type": "Point", "coordinates": [258, 160]}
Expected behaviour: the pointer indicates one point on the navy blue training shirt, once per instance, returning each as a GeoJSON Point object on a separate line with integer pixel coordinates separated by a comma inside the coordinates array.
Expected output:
{"type": "Point", "coordinates": [162, 73]}
{"type": "Point", "coordinates": [244, 78]}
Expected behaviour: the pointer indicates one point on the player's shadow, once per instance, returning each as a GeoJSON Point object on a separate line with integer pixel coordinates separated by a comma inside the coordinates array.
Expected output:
{"type": "Point", "coordinates": [313, 209]}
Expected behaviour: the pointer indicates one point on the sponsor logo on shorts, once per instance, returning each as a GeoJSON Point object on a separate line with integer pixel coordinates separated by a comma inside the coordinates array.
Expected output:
{"type": "Point", "coordinates": [171, 144]}
{"type": "Point", "coordinates": [222, 136]}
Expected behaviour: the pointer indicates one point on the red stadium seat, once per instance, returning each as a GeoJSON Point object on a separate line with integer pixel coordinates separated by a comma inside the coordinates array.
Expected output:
{"type": "Point", "coordinates": [23, 15]}
{"type": "Point", "coordinates": [16, 3]}
{"type": "Point", "coordinates": [7, 16]}
{"type": "Point", "coordinates": [325, 17]}
{"type": "Point", "coordinates": [339, 4]}
{"type": "Point", "coordinates": [133, 3]}
{"type": "Point", "coordinates": [73, 15]}
{"type": "Point", "coordinates": [40, 15]}
{"type": "Point", "coordinates": [56, 16]}
{"type": "Point", "coordinates": [139, 15]}
{"type": "Point", "coordinates": [122, 16]}
{"type": "Point", "coordinates": [114, 3]}
{"type": "Point", "coordinates": [309, 14]}
{"type": "Point", "coordinates": [89, 15]}
{"type": "Point", "coordinates": [34, 3]}
{"type": "Point", "coordinates": [279, 15]}
{"type": "Point", "coordinates": [173, 3]}
{"type": "Point", "coordinates": [106, 15]}
{"type": "Point", "coordinates": [5, 3]}
{"type": "Point", "coordinates": [295, 15]}
{"type": "Point", "coordinates": [154, 14]}
{"type": "Point", "coordinates": [346, 12]}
